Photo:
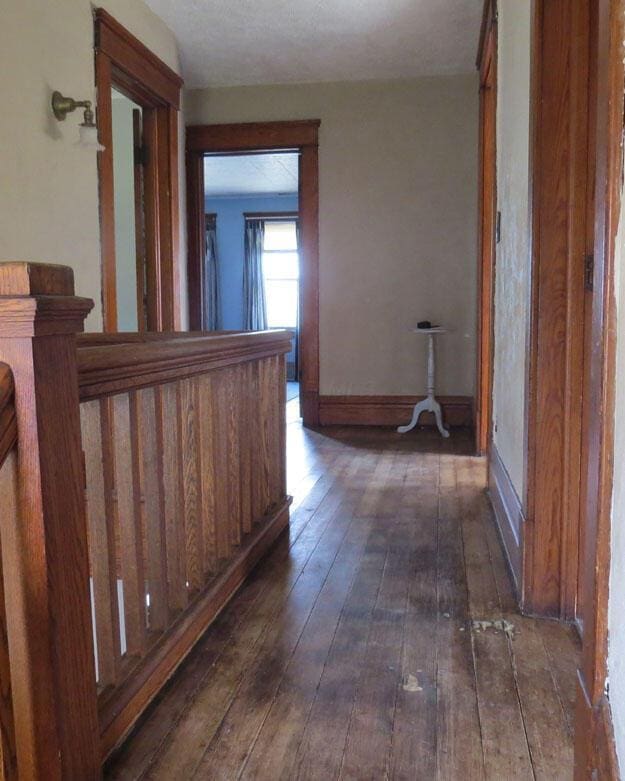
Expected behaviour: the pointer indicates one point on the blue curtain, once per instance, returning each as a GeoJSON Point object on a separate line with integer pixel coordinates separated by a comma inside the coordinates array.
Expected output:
{"type": "Point", "coordinates": [254, 302]}
{"type": "Point", "coordinates": [212, 299]}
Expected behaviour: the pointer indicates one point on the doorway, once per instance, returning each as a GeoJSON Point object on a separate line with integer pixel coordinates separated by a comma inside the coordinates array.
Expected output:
{"type": "Point", "coordinates": [286, 233]}
{"type": "Point", "coordinates": [138, 105]}
{"type": "Point", "coordinates": [251, 263]}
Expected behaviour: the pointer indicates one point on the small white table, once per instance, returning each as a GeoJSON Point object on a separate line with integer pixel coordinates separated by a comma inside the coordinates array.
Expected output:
{"type": "Point", "coordinates": [429, 404]}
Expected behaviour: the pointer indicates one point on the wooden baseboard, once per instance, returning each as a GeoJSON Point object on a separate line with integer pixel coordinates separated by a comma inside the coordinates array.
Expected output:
{"type": "Point", "coordinates": [118, 714]}
{"type": "Point", "coordinates": [595, 748]}
{"type": "Point", "coordinates": [508, 513]}
{"type": "Point", "coordinates": [390, 410]}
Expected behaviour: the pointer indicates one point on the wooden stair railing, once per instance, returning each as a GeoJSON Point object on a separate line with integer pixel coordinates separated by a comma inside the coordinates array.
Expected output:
{"type": "Point", "coordinates": [148, 478]}
{"type": "Point", "coordinates": [184, 439]}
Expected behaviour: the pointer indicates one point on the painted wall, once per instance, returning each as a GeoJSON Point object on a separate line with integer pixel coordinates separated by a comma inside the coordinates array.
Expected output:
{"type": "Point", "coordinates": [49, 187]}
{"type": "Point", "coordinates": [231, 246]}
{"type": "Point", "coordinates": [616, 605]}
{"type": "Point", "coordinates": [397, 178]}
{"type": "Point", "coordinates": [512, 276]}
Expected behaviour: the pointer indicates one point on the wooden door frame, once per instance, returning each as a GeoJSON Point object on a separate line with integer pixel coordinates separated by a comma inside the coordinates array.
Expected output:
{"type": "Point", "coordinates": [122, 61]}
{"type": "Point", "coordinates": [559, 192]}
{"type": "Point", "coordinates": [594, 740]}
{"type": "Point", "coordinates": [301, 136]}
{"type": "Point", "coordinates": [487, 190]}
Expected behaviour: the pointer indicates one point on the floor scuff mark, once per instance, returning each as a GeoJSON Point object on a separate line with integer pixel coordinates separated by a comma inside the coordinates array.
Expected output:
{"type": "Point", "coordinates": [411, 683]}
{"type": "Point", "coordinates": [498, 624]}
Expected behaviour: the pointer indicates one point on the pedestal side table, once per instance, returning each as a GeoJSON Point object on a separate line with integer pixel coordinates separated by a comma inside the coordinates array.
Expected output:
{"type": "Point", "coordinates": [429, 404]}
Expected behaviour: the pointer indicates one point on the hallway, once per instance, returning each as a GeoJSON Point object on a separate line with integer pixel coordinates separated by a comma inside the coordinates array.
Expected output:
{"type": "Point", "coordinates": [356, 649]}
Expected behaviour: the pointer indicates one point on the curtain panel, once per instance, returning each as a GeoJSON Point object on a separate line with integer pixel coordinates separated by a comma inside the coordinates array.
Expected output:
{"type": "Point", "coordinates": [212, 299]}
{"type": "Point", "coordinates": [254, 301]}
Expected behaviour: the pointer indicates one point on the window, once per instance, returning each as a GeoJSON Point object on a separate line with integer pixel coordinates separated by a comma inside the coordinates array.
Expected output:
{"type": "Point", "coordinates": [281, 272]}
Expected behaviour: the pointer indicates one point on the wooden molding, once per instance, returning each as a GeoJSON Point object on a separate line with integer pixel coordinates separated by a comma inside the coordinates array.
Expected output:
{"type": "Point", "coordinates": [508, 514]}
{"type": "Point", "coordinates": [487, 220]}
{"type": "Point", "coordinates": [139, 62]}
{"type": "Point", "coordinates": [594, 756]}
{"type": "Point", "coordinates": [299, 135]}
{"type": "Point", "coordinates": [559, 172]}
{"type": "Point", "coordinates": [250, 136]}
{"type": "Point", "coordinates": [116, 368]}
{"type": "Point", "coordinates": [390, 410]}
{"type": "Point", "coordinates": [489, 19]}
{"type": "Point", "coordinates": [118, 715]}
{"type": "Point", "coordinates": [122, 61]}
{"type": "Point", "coordinates": [595, 747]}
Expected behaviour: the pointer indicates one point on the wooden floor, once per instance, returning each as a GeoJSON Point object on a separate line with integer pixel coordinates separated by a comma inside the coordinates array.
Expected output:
{"type": "Point", "coordinates": [356, 650]}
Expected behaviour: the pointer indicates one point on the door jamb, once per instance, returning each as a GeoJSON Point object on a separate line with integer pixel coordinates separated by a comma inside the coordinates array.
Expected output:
{"type": "Point", "coordinates": [595, 754]}
{"type": "Point", "coordinates": [487, 68]}
{"type": "Point", "coordinates": [123, 61]}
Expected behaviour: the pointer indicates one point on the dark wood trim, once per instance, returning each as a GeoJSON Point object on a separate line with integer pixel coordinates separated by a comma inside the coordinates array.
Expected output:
{"type": "Point", "coordinates": [508, 514]}
{"type": "Point", "coordinates": [487, 218]}
{"type": "Point", "coordinates": [559, 193]}
{"type": "Point", "coordinates": [136, 60]}
{"type": "Point", "coordinates": [118, 715]}
{"type": "Point", "coordinates": [489, 18]}
{"type": "Point", "coordinates": [125, 63]}
{"type": "Point", "coordinates": [298, 135]}
{"type": "Point", "coordinates": [271, 215]}
{"type": "Point", "coordinates": [8, 421]}
{"type": "Point", "coordinates": [117, 368]}
{"type": "Point", "coordinates": [250, 136]}
{"type": "Point", "coordinates": [196, 238]}
{"type": "Point", "coordinates": [308, 342]}
{"type": "Point", "coordinates": [595, 747]}
{"type": "Point", "coordinates": [593, 741]}
{"type": "Point", "coordinates": [390, 410]}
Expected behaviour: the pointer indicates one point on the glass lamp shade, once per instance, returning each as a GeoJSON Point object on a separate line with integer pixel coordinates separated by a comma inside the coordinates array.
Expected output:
{"type": "Point", "coordinates": [88, 137]}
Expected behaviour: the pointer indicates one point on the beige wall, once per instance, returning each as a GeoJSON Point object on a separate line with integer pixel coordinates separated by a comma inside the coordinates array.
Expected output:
{"type": "Point", "coordinates": [48, 187]}
{"type": "Point", "coordinates": [512, 277]}
{"type": "Point", "coordinates": [398, 165]}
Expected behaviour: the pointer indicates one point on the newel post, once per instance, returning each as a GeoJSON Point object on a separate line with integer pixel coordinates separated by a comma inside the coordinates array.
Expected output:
{"type": "Point", "coordinates": [44, 555]}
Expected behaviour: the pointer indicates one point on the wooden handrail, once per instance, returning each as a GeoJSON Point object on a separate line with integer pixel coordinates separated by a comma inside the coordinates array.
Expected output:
{"type": "Point", "coordinates": [119, 367]}
{"type": "Point", "coordinates": [8, 421]}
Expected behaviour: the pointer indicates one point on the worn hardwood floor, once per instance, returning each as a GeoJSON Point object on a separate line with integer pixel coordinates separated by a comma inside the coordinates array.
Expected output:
{"type": "Point", "coordinates": [353, 651]}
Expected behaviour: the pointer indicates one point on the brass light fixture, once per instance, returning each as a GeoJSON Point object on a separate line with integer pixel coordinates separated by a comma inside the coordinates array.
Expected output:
{"type": "Point", "coordinates": [88, 132]}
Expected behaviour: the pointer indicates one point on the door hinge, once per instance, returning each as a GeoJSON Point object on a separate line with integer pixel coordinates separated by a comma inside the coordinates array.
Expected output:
{"type": "Point", "coordinates": [142, 155]}
{"type": "Point", "coordinates": [589, 271]}
{"type": "Point", "coordinates": [498, 228]}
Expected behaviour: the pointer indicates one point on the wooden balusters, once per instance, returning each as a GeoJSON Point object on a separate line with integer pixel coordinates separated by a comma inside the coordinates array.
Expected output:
{"type": "Point", "coordinates": [191, 460]}
{"type": "Point", "coordinates": [95, 422]}
{"type": "Point", "coordinates": [45, 563]}
{"type": "Point", "coordinates": [155, 532]}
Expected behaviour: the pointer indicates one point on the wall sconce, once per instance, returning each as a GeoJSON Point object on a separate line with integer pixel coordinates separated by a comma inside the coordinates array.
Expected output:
{"type": "Point", "coordinates": [88, 132]}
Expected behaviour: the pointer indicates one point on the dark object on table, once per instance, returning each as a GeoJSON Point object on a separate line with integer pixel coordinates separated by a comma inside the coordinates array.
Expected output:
{"type": "Point", "coordinates": [424, 324]}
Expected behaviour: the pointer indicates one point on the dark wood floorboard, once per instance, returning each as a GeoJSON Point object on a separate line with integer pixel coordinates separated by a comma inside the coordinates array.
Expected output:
{"type": "Point", "coordinates": [379, 638]}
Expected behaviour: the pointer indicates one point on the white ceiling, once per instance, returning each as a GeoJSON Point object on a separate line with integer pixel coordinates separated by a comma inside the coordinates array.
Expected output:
{"type": "Point", "coordinates": [266, 174]}
{"type": "Point", "coordinates": [236, 42]}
